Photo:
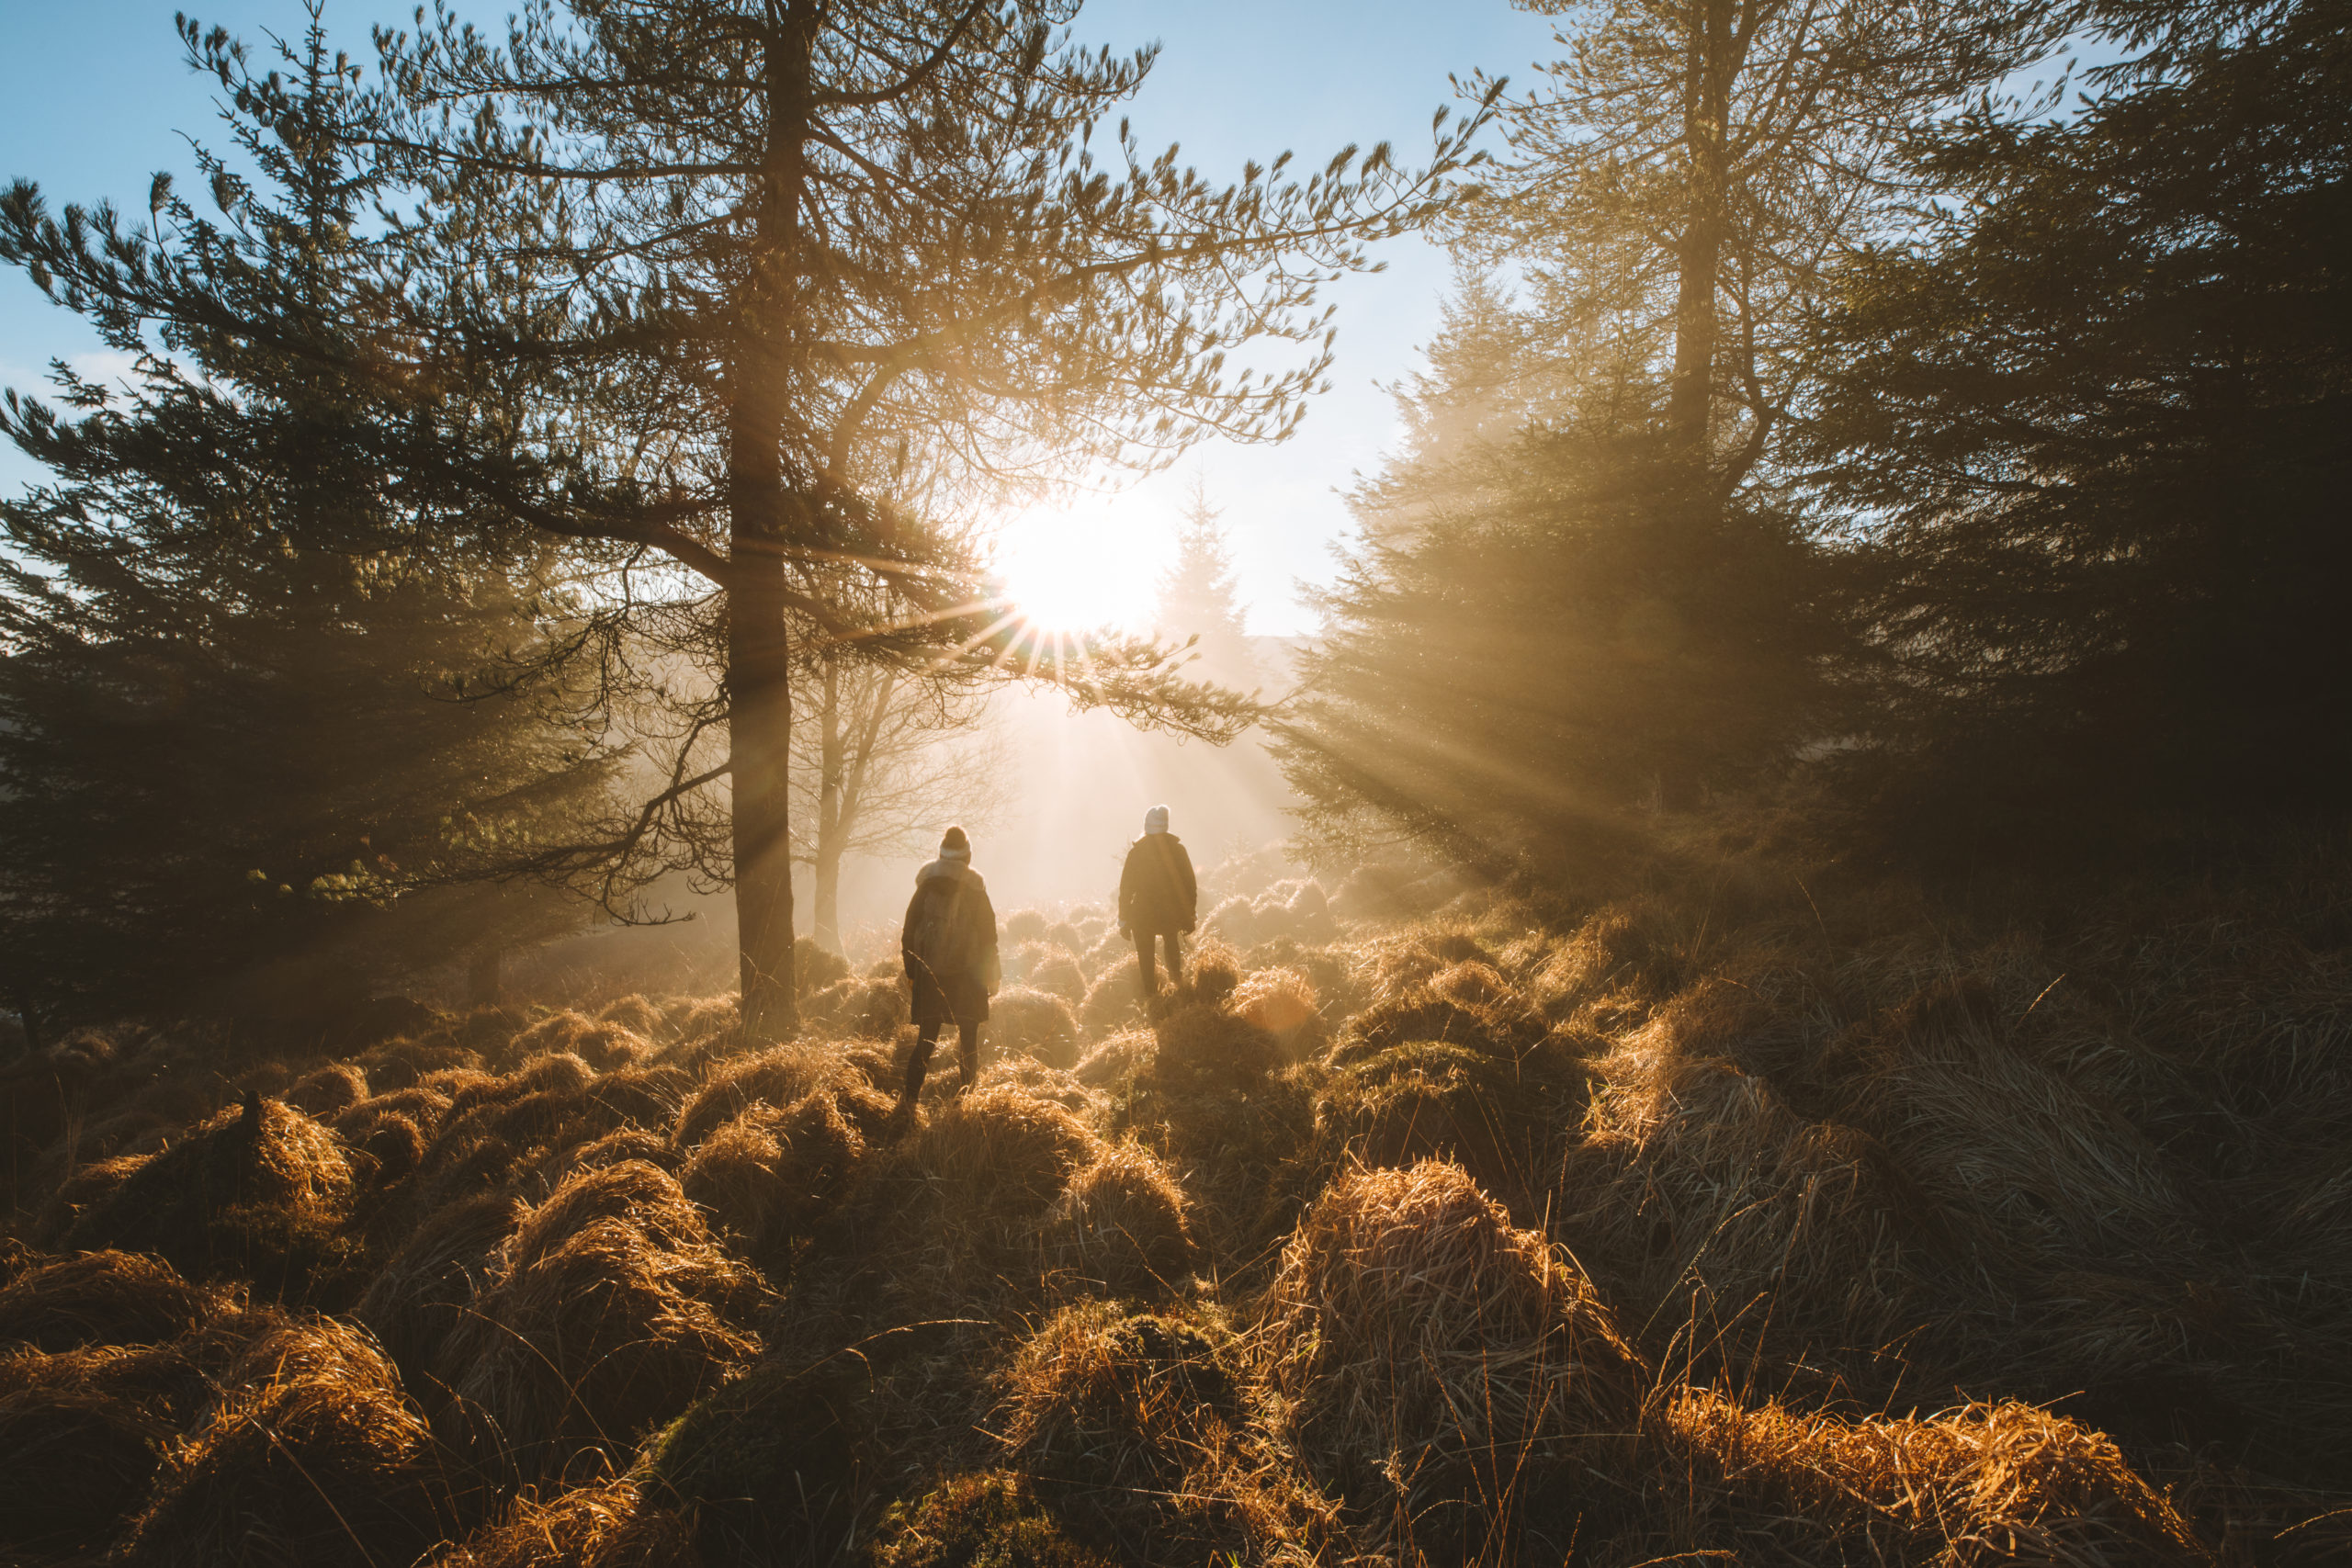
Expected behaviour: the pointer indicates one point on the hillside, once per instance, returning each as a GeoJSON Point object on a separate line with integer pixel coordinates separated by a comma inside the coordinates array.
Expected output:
{"type": "Point", "coordinates": [1728, 1222]}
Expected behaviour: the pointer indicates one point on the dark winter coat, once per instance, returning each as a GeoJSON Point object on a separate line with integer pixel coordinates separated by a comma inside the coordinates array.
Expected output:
{"type": "Point", "coordinates": [948, 944]}
{"type": "Point", "coordinates": [1157, 891]}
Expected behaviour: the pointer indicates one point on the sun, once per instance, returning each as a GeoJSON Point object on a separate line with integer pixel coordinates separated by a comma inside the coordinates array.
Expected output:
{"type": "Point", "coordinates": [1073, 571]}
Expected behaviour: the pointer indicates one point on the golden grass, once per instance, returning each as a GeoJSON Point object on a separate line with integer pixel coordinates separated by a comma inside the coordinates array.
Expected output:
{"type": "Point", "coordinates": [1993, 1483]}
{"type": "Point", "coordinates": [606, 1525]}
{"type": "Point", "coordinates": [1434, 1355]}
{"type": "Point", "coordinates": [312, 1455]}
{"type": "Point", "coordinates": [1033, 1023]}
{"type": "Point", "coordinates": [609, 1309]}
{"type": "Point", "coordinates": [769, 1175]}
{"type": "Point", "coordinates": [1123, 1225]}
{"type": "Point", "coordinates": [1596, 1239]}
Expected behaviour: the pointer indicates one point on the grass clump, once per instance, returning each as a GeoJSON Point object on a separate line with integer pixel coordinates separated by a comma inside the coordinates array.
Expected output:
{"type": "Point", "coordinates": [100, 1298]}
{"type": "Point", "coordinates": [607, 1525]}
{"type": "Point", "coordinates": [1124, 1226]}
{"type": "Point", "coordinates": [610, 1310]}
{"type": "Point", "coordinates": [769, 1175]}
{"type": "Point", "coordinates": [80, 1440]}
{"type": "Point", "coordinates": [260, 1192]}
{"type": "Point", "coordinates": [312, 1455]}
{"type": "Point", "coordinates": [1001, 1149]}
{"type": "Point", "coordinates": [1448, 1371]}
{"type": "Point", "coordinates": [775, 1465]}
{"type": "Point", "coordinates": [778, 1077]}
{"type": "Point", "coordinates": [987, 1519]}
{"type": "Point", "coordinates": [2000, 1482]}
{"type": "Point", "coordinates": [1033, 1022]}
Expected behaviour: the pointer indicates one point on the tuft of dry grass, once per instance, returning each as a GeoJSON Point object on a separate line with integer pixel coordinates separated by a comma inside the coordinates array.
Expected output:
{"type": "Point", "coordinates": [427, 1288]}
{"type": "Point", "coordinates": [1001, 1149]}
{"type": "Point", "coordinates": [1115, 1000]}
{"type": "Point", "coordinates": [1123, 1225]}
{"type": "Point", "coordinates": [260, 1191]}
{"type": "Point", "coordinates": [312, 1455]}
{"type": "Point", "coordinates": [80, 1439]}
{"type": "Point", "coordinates": [1053, 970]}
{"type": "Point", "coordinates": [1993, 1482]}
{"type": "Point", "coordinates": [1035, 1023]}
{"type": "Point", "coordinates": [1117, 1057]}
{"type": "Point", "coordinates": [780, 1076]}
{"type": "Point", "coordinates": [1144, 1427]}
{"type": "Point", "coordinates": [635, 1014]}
{"type": "Point", "coordinates": [101, 1298]}
{"type": "Point", "coordinates": [336, 1087]}
{"type": "Point", "coordinates": [769, 1175]}
{"type": "Point", "coordinates": [610, 1310]}
{"type": "Point", "coordinates": [1447, 1370]}
{"type": "Point", "coordinates": [1284, 1003]}
{"type": "Point", "coordinates": [1201, 1046]}
{"type": "Point", "coordinates": [774, 1466]}
{"type": "Point", "coordinates": [986, 1517]}
{"type": "Point", "coordinates": [607, 1525]}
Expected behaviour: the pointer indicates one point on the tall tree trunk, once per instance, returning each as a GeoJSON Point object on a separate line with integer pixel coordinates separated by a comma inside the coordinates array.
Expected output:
{"type": "Point", "coordinates": [759, 706]}
{"type": "Point", "coordinates": [829, 902]}
{"type": "Point", "coordinates": [1699, 255]}
{"type": "Point", "coordinates": [830, 826]}
{"type": "Point", "coordinates": [759, 674]}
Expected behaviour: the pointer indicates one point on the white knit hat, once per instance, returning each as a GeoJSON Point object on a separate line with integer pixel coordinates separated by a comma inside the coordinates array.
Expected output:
{"type": "Point", "coordinates": [1156, 819]}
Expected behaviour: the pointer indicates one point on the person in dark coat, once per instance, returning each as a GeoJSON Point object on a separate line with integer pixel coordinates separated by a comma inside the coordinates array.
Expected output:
{"type": "Point", "coordinates": [1158, 898]}
{"type": "Point", "coordinates": [948, 944]}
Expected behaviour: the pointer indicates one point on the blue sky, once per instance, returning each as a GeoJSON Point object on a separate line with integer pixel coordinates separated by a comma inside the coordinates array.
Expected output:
{"type": "Point", "coordinates": [95, 98]}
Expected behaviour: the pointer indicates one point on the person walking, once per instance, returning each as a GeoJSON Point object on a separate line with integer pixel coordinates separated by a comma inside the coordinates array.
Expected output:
{"type": "Point", "coordinates": [948, 944]}
{"type": "Point", "coordinates": [1157, 899]}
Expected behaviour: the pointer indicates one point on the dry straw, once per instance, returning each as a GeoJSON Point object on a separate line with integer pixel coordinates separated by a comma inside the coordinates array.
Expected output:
{"type": "Point", "coordinates": [610, 1310]}
{"type": "Point", "coordinates": [1435, 1356]}
{"type": "Point", "coordinates": [313, 1456]}
{"type": "Point", "coordinates": [1124, 1226]}
{"type": "Point", "coordinates": [1996, 1482]}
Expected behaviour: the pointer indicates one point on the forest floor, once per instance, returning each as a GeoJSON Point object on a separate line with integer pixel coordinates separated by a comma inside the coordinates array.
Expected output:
{"type": "Point", "coordinates": [1733, 1221]}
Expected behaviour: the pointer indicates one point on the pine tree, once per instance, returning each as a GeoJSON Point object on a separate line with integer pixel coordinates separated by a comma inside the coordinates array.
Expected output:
{"type": "Point", "coordinates": [1583, 586]}
{"type": "Point", "coordinates": [2092, 421]}
{"type": "Point", "coordinates": [234, 743]}
{"type": "Point", "coordinates": [804, 265]}
{"type": "Point", "coordinates": [1198, 599]}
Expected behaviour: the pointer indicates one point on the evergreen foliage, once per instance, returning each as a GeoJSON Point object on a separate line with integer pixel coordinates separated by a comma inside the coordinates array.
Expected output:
{"type": "Point", "coordinates": [1508, 675]}
{"type": "Point", "coordinates": [237, 740]}
{"type": "Point", "coordinates": [2093, 421]}
{"type": "Point", "coordinates": [1198, 599]}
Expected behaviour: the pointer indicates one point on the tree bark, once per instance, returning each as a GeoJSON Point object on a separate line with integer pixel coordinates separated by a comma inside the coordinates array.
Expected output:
{"type": "Point", "coordinates": [830, 826]}
{"type": "Point", "coordinates": [759, 674]}
{"type": "Point", "coordinates": [1699, 256]}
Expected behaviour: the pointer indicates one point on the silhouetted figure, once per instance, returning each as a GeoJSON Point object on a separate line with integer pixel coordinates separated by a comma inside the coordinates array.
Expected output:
{"type": "Point", "coordinates": [949, 947]}
{"type": "Point", "coordinates": [1158, 897]}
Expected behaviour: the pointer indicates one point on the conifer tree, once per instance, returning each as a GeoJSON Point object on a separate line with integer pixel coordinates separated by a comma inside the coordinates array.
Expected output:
{"type": "Point", "coordinates": [1198, 598]}
{"type": "Point", "coordinates": [801, 264]}
{"type": "Point", "coordinates": [2091, 418]}
{"type": "Point", "coordinates": [1583, 586]}
{"type": "Point", "coordinates": [233, 742]}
